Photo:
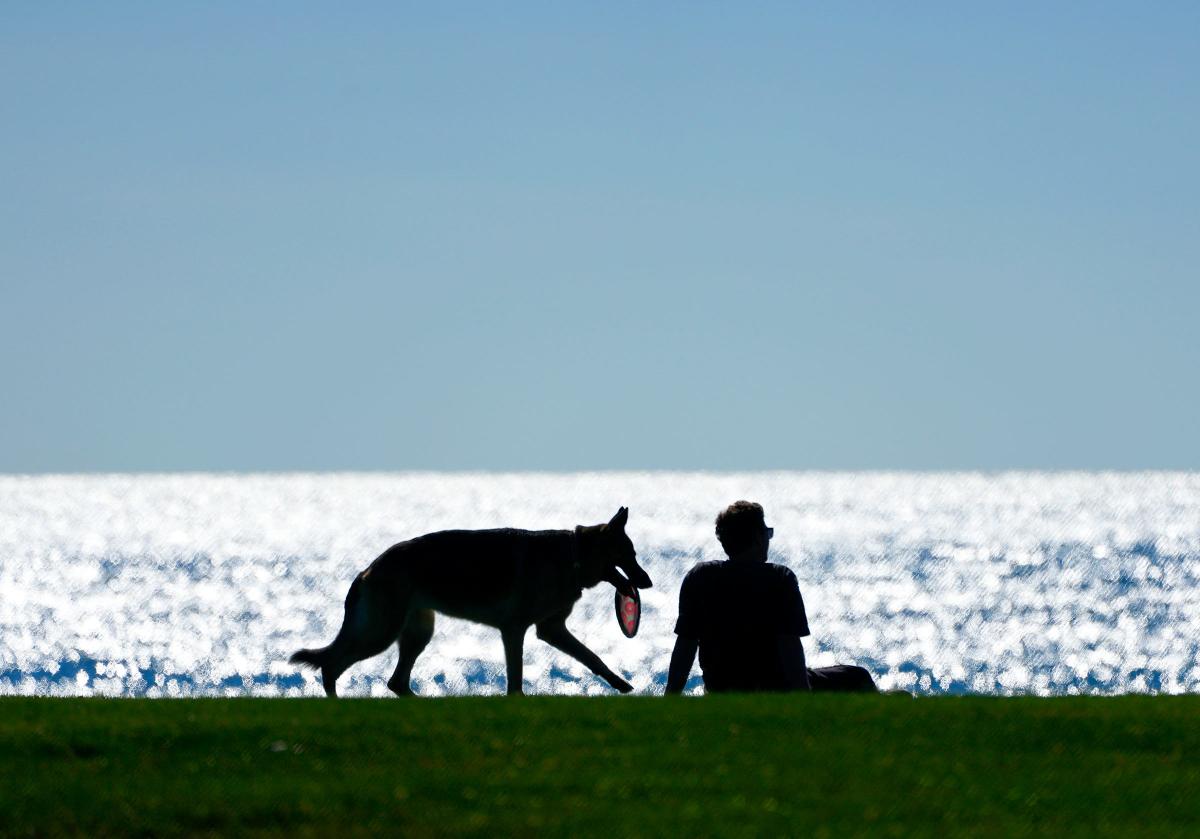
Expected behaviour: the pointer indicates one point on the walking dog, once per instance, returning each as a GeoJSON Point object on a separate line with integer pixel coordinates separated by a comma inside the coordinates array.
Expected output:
{"type": "Point", "coordinates": [509, 579]}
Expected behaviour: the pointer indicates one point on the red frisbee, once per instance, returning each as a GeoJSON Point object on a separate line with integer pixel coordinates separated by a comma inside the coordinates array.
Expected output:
{"type": "Point", "coordinates": [629, 613]}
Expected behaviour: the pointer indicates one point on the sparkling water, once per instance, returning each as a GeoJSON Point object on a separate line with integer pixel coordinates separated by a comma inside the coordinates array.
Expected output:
{"type": "Point", "coordinates": [183, 585]}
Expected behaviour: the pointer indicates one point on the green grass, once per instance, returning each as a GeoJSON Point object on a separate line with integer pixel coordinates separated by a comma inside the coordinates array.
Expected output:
{"type": "Point", "coordinates": [613, 767]}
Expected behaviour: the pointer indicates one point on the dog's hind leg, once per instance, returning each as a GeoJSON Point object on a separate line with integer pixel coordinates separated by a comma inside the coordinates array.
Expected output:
{"type": "Point", "coordinates": [418, 629]}
{"type": "Point", "coordinates": [368, 629]}
{"type": "Point", "coordinates": [514, 651]}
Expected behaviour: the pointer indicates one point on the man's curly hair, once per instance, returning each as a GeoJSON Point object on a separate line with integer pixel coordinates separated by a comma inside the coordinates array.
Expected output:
{"type": "Point", "coordinates": [739, 524]}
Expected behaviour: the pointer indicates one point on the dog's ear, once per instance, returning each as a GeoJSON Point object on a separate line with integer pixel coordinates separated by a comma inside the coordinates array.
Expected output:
{"type": "Point", "coordinates": [618, 521]}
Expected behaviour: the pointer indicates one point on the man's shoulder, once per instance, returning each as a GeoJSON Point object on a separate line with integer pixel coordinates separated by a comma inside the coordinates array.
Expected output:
{"type": "Point", "coordinates": [718, 567]}
{"type": "Point", "coordinates": [701, 570]}
{"type": "Point", "coordinates": [781, 571]}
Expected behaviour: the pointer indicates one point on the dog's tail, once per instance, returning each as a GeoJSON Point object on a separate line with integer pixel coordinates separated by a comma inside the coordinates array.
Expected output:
{"type": "Point", "coordinates": [319, 658]}
{"type": "Point", "coordinates": [310, 658]}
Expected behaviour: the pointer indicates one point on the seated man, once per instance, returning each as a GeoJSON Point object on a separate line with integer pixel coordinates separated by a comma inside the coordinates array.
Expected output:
{"type": "Point", "coordinates": [746, 617]}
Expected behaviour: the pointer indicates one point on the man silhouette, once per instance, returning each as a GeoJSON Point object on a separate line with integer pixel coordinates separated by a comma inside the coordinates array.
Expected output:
{"type": "Point", "coordinates": [746, 617]}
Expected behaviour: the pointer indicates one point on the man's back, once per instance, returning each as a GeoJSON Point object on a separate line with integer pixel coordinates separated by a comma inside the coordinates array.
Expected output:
{"type": "Point", "coordinates": [737, 611]}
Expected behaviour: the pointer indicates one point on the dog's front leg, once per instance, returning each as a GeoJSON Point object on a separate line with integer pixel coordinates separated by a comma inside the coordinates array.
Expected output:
{"type": "Point", "coordinates": [514, 652]}
{"type": "Point", "coordinates": [556, 634]}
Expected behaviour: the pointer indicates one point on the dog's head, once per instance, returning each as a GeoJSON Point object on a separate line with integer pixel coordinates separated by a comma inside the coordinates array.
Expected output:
{"type": "Point", "coordinates": [617, 558]}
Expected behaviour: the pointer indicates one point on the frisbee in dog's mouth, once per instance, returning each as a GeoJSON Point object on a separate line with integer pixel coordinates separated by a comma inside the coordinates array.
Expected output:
{"type": "Point", "coordinates": [629, 612]}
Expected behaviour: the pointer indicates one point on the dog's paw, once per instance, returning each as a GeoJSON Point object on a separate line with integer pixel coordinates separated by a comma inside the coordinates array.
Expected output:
{"type": "Point", "coordinates": [622, 685]}
{"type": "Point", "coordinates": [400, 689]}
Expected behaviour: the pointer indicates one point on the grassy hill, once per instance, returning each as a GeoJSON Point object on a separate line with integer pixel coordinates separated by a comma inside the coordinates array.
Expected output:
{"type": "Point", "coordinates": [613, 767]}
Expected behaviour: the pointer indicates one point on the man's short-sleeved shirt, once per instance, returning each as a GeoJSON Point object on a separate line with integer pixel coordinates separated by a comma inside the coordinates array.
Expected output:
{"type": "Point", "coordinates": [737, 610]}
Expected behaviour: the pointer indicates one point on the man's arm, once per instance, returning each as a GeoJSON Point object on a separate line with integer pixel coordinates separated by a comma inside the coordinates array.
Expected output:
{"type": "Point", "coordinates": [792, 627]}
{"type": "Point", "coordinates": [791, 661]}
{"type": "Point", "coordinates": [682, 658]}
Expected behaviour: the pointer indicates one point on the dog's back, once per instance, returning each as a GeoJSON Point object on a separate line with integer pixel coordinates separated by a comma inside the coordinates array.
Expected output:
{"type": "Point", "coordinates": [495, 577]}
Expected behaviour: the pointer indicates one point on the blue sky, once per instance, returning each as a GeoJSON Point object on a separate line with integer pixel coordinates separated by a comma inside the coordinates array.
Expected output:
{"type": "Point", "coordinates": [599, 237]}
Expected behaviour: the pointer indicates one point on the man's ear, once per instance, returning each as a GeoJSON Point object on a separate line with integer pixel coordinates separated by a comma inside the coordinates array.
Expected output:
{"type": "Point", "coordinates": [618, 521]}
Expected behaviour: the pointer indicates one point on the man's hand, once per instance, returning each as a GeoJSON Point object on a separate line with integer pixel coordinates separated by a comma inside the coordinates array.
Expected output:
{"type": "Point", "coordinates": [682, 658]}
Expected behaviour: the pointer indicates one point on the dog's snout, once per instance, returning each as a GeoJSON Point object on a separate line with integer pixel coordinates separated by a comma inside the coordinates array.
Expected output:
{"type": "Point", "coordinates": [640, 578]}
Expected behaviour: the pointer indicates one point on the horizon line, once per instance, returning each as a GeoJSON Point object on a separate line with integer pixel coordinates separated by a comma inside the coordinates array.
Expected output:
{"type": "Point", "coordinates": [995, 472]}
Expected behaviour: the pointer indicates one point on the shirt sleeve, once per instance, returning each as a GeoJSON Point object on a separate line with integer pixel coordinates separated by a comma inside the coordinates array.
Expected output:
{"type": "Point", "coordinates": [688, 624]}
{"type": "Point", "coordinates": [792, 619]}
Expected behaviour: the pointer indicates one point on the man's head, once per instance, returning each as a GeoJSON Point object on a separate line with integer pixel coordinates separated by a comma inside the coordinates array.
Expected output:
{"type": "Point", "coordinates": [743, 531]}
